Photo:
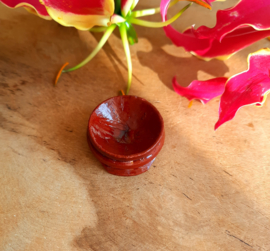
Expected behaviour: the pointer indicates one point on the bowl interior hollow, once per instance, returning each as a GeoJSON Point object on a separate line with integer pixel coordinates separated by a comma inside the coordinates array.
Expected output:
{"type": "Point", "coordinates": [125, 125]}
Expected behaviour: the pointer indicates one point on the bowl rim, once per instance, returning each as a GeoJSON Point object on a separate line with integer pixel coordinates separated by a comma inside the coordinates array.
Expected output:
{"type": "Point", "coordinates": [134, 156]}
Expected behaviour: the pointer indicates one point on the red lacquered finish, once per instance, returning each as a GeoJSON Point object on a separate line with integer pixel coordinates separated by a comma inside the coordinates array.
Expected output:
{"type": "Point", "coordinates": [126, 133]}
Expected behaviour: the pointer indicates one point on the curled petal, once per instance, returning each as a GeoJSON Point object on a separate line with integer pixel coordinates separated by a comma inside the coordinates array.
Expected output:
{"type": "Point", "coordinates": [230, 44]}
{"type": "Point", "coordinates": [33, 6]}
{"type": "Point", "coordinates": [236, 28]}
{"type": "Point", "coordinates": [202, 90]}
{"type": "Point", "coordinates": [81, 14]}
{"type": "Point", "coordinates": [247, 88]}
{"type": "Point", "coordinates": [245, 13]}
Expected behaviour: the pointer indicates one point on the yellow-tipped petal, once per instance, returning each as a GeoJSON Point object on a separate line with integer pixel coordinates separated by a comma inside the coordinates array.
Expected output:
{"type": "Point", "coordinates": [82, 15]}
{"type": "Point", "coordinates": [32, 6]}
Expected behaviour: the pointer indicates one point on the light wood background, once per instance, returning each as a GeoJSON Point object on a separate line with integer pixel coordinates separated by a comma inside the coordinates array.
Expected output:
{"type": "Point", "coordinates": [206, 190]}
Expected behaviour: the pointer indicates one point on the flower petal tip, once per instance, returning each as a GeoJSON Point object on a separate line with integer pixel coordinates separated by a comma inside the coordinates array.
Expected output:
{"type": "Point", "coordinates": [32, 6]}
{"type": "Point", "coordinates": [201, 90]}
{"type": "Point", "coordinates": [82, 15]}
{"type": "Point", "coordinates": [247, 88]}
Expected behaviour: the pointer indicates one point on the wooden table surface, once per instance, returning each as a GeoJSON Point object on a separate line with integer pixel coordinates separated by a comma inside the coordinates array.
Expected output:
{"type": "Point", "coordinates": [206, 190]}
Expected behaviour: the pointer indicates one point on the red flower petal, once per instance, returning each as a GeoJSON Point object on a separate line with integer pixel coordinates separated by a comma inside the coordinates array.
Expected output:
{"type": "Point", "coordinates": [236, 28]}
{"type": "Point", "coordinates": [81, 14]}
{"type": "Point", "coordinates": [33, 6]}
{"type": "Point", "coordinates": [245, 13]}
{"type": "Point", "coordinates": [247, 88]}
{"type": "Point", "coordinates": [202, 90]}
{"type": "Point", "coordinates": [230, 44]}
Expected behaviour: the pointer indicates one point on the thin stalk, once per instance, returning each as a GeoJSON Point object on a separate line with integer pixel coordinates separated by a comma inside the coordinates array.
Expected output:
{"type": "Point", "coordinates": [148, 12]}
{"type": "Point", "coordinates": [102, 41]}
{"type": "Point", "coordinates": [98, 29]}
{"type": "Point", "coordinates": [157, 24]}
{"type": "Point", "coordinates": [123, 33]}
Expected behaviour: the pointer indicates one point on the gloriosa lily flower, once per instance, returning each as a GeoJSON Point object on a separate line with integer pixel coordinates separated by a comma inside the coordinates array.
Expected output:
{"type": "Point", "coordinates": [247, 88]}
{"type": "Point", "coordinates": [235, 29]}
{"type": "Point", "coordinates": [98, 16]}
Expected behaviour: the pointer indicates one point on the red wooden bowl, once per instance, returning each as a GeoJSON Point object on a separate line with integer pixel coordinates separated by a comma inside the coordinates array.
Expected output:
{"type": "Point", "coordinates": [126, 133]}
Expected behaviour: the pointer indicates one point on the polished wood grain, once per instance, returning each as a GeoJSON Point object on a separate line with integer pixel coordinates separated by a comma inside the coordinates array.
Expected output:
{"type": "Point", "coordinates": [206, 190]}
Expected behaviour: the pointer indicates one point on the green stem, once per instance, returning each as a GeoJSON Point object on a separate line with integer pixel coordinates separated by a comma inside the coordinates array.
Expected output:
{"type": "Point", "coordinates": [123, 33]}
{"type": "Point", "coordinates": [148, 12]}
{"type": "Point", "coordinates": [102, 41]}
{"type": "Point", "coordinates": [157, 24]}
{"type": "Point", "coordinates": [98, 29]}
